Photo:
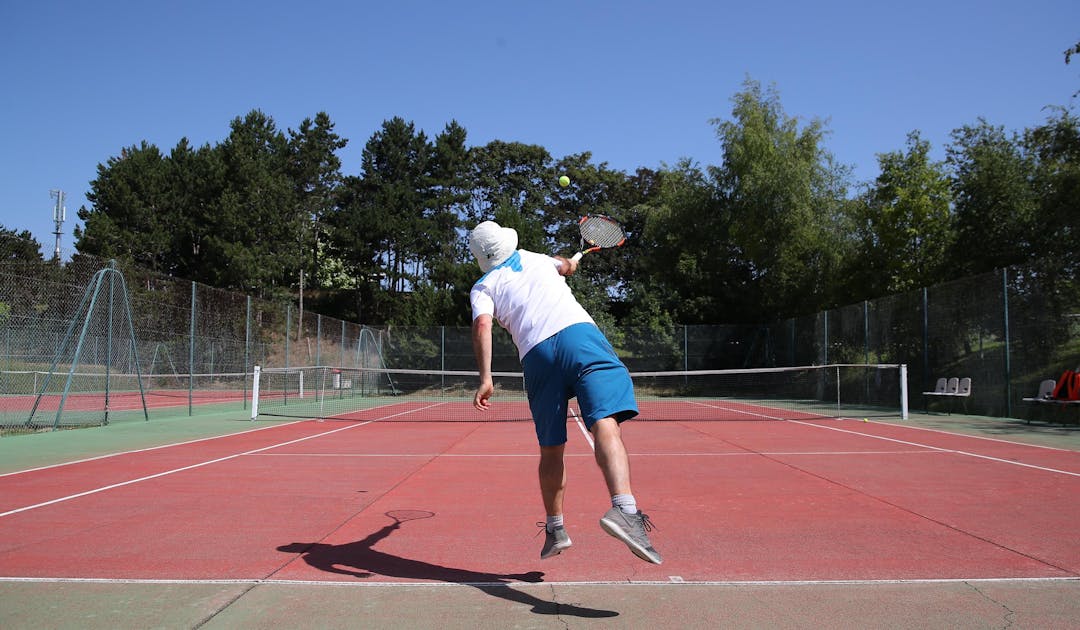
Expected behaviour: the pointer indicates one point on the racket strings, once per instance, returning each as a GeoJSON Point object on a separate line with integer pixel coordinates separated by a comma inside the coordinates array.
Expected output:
{"type": "Point", "coordinates": [601, 232]}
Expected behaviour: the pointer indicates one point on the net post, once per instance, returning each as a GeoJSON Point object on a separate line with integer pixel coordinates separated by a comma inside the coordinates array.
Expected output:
{"type": "Point", "coordinates": [255, 393]}
{"type": "Point", "coordinates": [838, 407]}
{"type": "Point", "coordinates": [903, 392]}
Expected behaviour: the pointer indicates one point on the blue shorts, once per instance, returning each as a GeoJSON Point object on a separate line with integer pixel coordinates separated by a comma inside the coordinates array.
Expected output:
{"type": "Point", "coordinates": [577, 361]}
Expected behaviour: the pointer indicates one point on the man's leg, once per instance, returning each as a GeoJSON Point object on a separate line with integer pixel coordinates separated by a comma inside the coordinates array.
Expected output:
{"type": "Point", "coordinates": [552, 478]}
{"type": "Point", "coordinates": [623, 521]}
{"type": "Point", "coordinates": [611, 456]}
{"type": "Point", "coordinates": [552, 488]}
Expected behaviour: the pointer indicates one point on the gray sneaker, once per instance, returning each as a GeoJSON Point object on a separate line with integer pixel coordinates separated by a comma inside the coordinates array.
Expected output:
{"type": "Point", "coordinates": [631, 528]}
{"type": "Point", "coordinates": [554, 542]}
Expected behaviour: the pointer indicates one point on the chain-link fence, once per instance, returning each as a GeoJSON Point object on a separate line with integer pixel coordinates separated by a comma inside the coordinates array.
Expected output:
{"type": "Point", "coordinates": [81, 347]}
{"type": "Point", "coordinates": [190, 344]}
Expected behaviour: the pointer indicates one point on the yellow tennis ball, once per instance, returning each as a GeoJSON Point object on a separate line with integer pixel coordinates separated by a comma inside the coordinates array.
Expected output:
{"type": "Point", "coordinates": [564, 181]}
{"type": "Point", "coordinates": [866, 420]}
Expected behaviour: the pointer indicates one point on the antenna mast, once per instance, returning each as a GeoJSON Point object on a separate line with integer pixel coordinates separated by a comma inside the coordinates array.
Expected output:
{"type": "Point", "coordinates": [59, 214]}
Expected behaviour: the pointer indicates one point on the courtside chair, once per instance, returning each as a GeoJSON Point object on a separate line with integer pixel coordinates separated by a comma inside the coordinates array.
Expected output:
{"type": "Point", "coordinates": [964, 391]}
{"type": "Point", "coordinates": [1046, 390]}
{"type": "Point", "coordinates": [942, 384]}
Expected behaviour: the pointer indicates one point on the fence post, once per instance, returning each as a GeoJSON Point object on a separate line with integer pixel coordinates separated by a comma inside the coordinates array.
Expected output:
{"type": "Point", "coordinates": [191, 355]}
{"type": "Point", "coordinates": [866, 329]}
{"type": "Point", "coordinates": [318, 340]}
{"type": "Point", "coordinates": [1008, 364]}
{"type": "Point", "coordinates": [288, 331]}
{"type": "Point", "coordinates": [925, 340]}
{"type": "Point", "coordinates": [826, 345]}
{"type": "Point", "coordinates": [247, 346]}
{"type": "Point", "coordinates": [686, 347]}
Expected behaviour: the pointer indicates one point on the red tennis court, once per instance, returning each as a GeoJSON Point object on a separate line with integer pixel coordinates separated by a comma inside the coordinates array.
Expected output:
{"type": "Point", "coordinates": [734, 502]}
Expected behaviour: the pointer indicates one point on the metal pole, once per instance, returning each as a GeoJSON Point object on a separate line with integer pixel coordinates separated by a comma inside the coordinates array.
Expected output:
{"type": "Point", "coordinates": [1008, 363]}
{"type": "Point", "coordinates": [109, 345]}
{"type": "Point", "coordinates": [826, 327]}
{"type": "Point", "coordinates": [903, 392]}
{"type": "Point", "coordinates": [925, 339]}
{"type": "Point", "coordinates": [191, 355]}
{"type": "Point", "coordinates": [247, 346]}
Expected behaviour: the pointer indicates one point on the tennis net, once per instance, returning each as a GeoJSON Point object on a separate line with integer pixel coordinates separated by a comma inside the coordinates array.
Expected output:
{"type": "Point", "coordinates": [42, 399]}
{"type": "Point", "coordinates": [787, 393]}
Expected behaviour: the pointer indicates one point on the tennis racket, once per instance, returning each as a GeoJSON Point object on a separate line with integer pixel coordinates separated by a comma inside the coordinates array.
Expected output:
{"type": "Point", "coordinates": [598, 232]}
{"type": "Point", "coordinates": [401, 516]}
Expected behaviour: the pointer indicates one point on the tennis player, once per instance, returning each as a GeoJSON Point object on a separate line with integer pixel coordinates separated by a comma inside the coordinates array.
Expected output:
{"type": "Point", "coordinates": [563, 354]}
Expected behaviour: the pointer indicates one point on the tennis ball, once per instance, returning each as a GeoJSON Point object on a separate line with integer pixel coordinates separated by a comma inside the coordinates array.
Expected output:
{"type": "Point", "coordinates": [564, 181]}
{"type": "Point", "coordinates": [866, 420]}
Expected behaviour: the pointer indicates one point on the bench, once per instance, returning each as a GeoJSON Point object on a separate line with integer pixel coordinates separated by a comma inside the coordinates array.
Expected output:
{"type": "Point", "coordinates": [1045, 398]}
{"type": "Point", "coordinates": [951, 389]}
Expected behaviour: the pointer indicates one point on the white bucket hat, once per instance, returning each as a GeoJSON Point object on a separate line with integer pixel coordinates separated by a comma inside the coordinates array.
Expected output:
{"type": "Point", "coordinates": [492, 244]}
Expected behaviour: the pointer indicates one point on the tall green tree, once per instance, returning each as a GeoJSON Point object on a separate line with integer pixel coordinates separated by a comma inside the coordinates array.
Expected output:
{"type": "Point", "coordinates": [196, 181]}
{"type": "Point", "coordinates": [253, 245]}
{"type": "Point", "coordinates": [993, 202]}
{"type": "Point", "coordinates": [691, 270]}
{"type": "Point", "coordinates": [512, 185]}
{"type": "Point", "coordinates": [383, 218]}
{"type": "Point", "coordinates": [127, 217]}
{"type": "Point", "coordinates": [315, 170]}
{"type": "Point", "coordinates": [1054, 148]}
{"type": "Point", "coordinates": [784, 192]}
{"type": "Point", "coordinates": [450, 269]}
{"type": "Point", "coordinates": [905, 223]}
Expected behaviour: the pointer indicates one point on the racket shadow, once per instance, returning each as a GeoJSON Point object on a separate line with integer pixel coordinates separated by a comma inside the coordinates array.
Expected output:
{"type": "Point", "coordinates": [361, 560]}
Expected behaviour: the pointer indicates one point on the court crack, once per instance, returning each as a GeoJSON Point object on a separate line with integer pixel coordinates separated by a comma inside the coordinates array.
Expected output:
{"type": "Point", "coordinates": [1007, 618]}
{"type": "Point", "coordinates": [558, 607]}
{"type": "Point", "coordinates": [226, 605]}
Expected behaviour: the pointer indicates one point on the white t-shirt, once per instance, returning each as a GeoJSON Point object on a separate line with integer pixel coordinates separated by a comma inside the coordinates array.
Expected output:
{"type": "Point", "coordinates": [528, 297]}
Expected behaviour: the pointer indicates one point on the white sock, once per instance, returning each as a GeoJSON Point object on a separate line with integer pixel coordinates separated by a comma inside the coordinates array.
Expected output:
{"type": "Point", "coordinates": [554, 522]}
{"type": "Point", "coordinates": [625, 502]}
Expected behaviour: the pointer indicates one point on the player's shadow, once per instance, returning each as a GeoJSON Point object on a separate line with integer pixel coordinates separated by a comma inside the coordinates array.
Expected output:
{"type": "Point", "coordinates": [360, 559]}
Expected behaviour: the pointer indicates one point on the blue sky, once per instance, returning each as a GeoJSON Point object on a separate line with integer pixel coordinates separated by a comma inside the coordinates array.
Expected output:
{"type": "Point", "coordinates": [635, 83]}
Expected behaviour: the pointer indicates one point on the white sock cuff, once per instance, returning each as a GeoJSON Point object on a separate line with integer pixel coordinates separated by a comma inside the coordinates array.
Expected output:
{"type": "Point", "coordinates": [625, 502]}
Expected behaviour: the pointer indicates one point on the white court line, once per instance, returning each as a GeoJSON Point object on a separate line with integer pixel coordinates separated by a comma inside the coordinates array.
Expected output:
{"type": "Point", "coordinates": [144, 450]}
{"type": "Point", "coordinates": [584, 431]}
{"type": "Point", "coordinates": [733, 410]}
{"type": "Point", "coordinates": [935, 448]}
{"type": "Point", "coordinates": [981, 437]}
{"type": "Point", "coordinates": [207, 463]}
{"type": "Point", "coordinates": [921, 451]}
{"type": "Point", "coordinates": [938, 448]}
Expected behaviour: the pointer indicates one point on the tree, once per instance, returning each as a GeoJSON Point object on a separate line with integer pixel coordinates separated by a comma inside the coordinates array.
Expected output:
{"type": "Point", "coordinates": [128, 202]}
{"type": "Point", "coordinates": [1054, 148]}
{"type": "Point", "coordinates": [382, 220]}
{"type": "Point", "coordinates": [993, 202]}
{"type": "Point", "coordinates": [783, 193]}
{"type": "Point", "coordinates": [196, 181]}
{"type": "Point", "coordinates": [252, 241]}
{"type": "Point", "coordinates": [511, 185]}
{"type": "Point", "coordinates": [315, 170]}
{"type": "Point", "coordinates": [904, 224]}
{"type": "Point", "coordinates": [19, 246]}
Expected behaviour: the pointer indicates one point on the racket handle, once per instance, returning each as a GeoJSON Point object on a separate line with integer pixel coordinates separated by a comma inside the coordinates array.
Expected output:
{"type": "Point", "coordinates": [577, 256]}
